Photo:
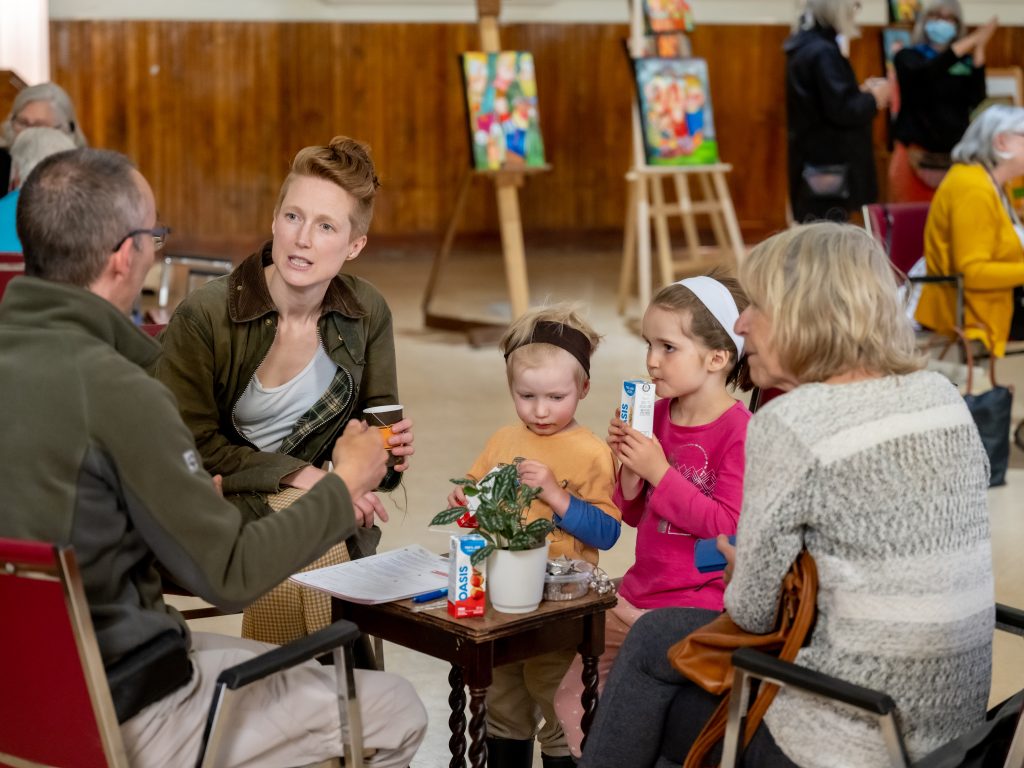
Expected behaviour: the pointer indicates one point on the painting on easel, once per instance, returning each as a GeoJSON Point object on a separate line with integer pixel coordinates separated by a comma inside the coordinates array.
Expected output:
{"type": "Point", "coordinates": [665, 16]}
{"type": "Point", "coordinates": [904, 11]}
{"type": "Point", "coordinates": [675, 111]}
{"type": "Point", "coordinates": [501, 99]}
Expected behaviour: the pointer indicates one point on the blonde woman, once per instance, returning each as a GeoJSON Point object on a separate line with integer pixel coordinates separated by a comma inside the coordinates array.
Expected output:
{"type": "Point", "coordinates": [271, 362]}
{"type": "Point", "coordinates": [876, 468]}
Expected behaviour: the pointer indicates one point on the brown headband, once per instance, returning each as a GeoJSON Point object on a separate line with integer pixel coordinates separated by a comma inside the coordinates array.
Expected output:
{"type": "Point", "coordinates": [560, 335]}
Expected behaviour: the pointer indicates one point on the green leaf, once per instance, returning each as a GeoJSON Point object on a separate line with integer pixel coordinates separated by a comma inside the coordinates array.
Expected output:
{"type": "Point", "coordinates": [448, 516]}
{"type": "Point", "coordinates": [481, 554]}
{"type": "Point", "coordinates": [471, 490]}
{"type": "Point", "coordinates": [540, 528]}
{"type": "Point", "coordinates": [464, 481]}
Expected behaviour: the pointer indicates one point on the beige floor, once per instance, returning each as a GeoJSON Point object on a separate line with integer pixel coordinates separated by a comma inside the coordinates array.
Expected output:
{"type": "Point", "coordinates": [457, 395]}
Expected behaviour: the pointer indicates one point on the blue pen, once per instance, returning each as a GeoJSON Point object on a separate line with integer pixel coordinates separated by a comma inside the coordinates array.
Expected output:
{"type": "Point", "coordinates": [428, 596]}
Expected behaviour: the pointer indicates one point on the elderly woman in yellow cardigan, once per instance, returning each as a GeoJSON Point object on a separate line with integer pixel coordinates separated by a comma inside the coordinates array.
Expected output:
{"type": "Point", "coordinates": [973, 230]}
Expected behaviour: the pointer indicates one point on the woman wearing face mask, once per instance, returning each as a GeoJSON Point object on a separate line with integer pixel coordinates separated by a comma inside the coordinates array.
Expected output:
{"type": "Point", "coordinates": [941, 79]}
{"type": "Point", "coordinates": [974, 230]}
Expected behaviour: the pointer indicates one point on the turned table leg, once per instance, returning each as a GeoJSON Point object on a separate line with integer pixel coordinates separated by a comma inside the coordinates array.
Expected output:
{"type": "Point", "coordinates": [457, 719]}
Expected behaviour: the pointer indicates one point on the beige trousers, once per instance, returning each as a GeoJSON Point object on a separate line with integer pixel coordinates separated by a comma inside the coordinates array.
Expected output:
{"type": "Point", "coordinates": [522, 695]}
{"type": "Point", "coordinates": [287, 719]}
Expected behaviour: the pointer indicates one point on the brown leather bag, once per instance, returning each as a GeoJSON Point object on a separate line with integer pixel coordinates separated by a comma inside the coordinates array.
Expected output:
{"type": "Point", "coordinates": [705, 655]}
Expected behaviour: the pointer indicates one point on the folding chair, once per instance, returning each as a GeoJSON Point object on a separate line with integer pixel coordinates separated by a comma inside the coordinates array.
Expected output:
{"type": "Point", "coordinates": [899, 228]}
{"type": "Point", "coordinates": [57, 708]}
{"type": "Point", "coordinates": [11, 265]}
{"type": "Point", "coordinates": [981, 746]}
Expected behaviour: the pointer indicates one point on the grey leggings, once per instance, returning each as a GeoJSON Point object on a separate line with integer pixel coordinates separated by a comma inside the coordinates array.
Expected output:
{"type": "Point", "coordinates": [649, 714]}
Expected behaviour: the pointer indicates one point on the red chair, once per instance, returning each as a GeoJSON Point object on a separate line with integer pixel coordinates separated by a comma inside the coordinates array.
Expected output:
{"type": "Point", "coordinates": [899, 228]}
{"type": "Point", "coordinates": [11, 265]}
{"type": "Point", "coordinates": [56, 707]}
{"type": "Point", "coordinates": [760, 397]}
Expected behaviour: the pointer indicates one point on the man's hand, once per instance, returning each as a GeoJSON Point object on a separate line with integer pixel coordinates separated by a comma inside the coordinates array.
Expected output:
{"type": "Point", "coordinates": [367, 507]}
{"type": "Point", "coordinates": [359, 458]}
{"type": "Point", "coordinates": [537, 475]}
{"type": "Point", "coordinates": [401, 443]}
{"type": "Point", "coordinates": [218, 485]}
{"type": "Point", "coordinates": [729, 553]}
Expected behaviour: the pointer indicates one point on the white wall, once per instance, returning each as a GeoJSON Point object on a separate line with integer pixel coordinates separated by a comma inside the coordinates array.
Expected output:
{"type": "Point", "coordinates": [25, 39]}
{"type": "Point", "coordinates": [705, 11]}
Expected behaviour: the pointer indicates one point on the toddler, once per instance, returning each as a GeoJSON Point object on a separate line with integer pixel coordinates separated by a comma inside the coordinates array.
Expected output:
{"type": "Point", "coordinates": [547, 360]}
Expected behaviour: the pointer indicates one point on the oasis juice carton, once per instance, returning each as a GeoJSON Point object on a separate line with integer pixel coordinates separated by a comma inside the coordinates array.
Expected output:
{"type": "Point", "coordinates": [467, 583]}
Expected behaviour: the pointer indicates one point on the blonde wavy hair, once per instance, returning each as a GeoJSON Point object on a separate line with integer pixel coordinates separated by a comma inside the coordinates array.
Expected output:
{"type": "Point", "coordinates": [539, 354]}
{"type": "Point", "coordinates": [831, 295]}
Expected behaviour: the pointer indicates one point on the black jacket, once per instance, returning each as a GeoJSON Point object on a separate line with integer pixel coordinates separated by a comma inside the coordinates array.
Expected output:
{"type": "Point", "coordinates": [937, 95]}
{"type": "Point", "coordinates": [829, 123]}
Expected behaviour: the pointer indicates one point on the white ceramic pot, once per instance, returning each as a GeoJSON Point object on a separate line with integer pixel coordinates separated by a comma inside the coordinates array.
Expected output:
{"type": "Point", "coordinates": [515, 580]}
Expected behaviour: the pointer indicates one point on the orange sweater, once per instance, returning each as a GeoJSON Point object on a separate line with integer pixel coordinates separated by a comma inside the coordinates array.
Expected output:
{"type": "Point", "coordinates": [969, 232]}
{"type": "Point", "coordinates": [576, 456]}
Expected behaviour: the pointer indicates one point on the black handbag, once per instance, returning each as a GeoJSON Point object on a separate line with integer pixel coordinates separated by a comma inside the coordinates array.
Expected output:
{"type": "Point", "coordinates": [991, 413]}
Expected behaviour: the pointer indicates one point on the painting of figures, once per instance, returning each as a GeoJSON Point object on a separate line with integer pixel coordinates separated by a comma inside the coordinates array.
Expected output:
{"type": "Point", "coordinates": [675, 111]}
{"type": "Point", "coordinates": [668, 16]}
{"type": "Point", "coordinates": [501, 99]}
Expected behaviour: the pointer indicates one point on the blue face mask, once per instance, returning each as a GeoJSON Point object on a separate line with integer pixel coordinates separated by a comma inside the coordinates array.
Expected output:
{"type": "Point", "coordinates": [940, 31]}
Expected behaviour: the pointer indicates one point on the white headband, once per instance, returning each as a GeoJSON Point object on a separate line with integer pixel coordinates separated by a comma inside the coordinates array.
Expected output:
{"type": "Point", "coordinates": [720, 303]}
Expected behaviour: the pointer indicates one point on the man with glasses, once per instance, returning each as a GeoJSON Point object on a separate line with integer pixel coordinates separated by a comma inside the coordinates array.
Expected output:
{"type": "Point", "coordinates": [98, 457]}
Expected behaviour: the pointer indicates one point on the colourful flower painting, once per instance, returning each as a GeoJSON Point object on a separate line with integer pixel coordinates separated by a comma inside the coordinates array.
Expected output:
{"type": "Point", "coordinates": [501, 99]}
{"type": "Point", "coordinates": [667, 16]}
{"type": "Point", "coordinates": [675, 111]}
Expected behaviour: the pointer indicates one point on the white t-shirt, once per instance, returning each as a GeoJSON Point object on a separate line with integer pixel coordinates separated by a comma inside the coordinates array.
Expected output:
{"type": "Point", "coordinates": [266, 416]}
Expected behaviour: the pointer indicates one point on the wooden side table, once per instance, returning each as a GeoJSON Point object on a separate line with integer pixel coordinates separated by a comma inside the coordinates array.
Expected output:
{"type": "Point", "coordinates": [474, 647]}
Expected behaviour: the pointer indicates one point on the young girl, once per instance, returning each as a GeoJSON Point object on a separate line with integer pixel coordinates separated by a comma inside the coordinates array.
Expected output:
{"type": "Point", "coordinates": [686, 483]}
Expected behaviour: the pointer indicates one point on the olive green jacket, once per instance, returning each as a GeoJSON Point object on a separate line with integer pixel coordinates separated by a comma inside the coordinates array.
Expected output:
{"type": "Point", "coordinates": [221, 334]}
{"type": "Point", "coordinates": [94, 455]}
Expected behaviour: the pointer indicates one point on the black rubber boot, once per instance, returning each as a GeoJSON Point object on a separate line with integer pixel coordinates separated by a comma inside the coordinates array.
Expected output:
{"type": "Point", "coordinates": [566, 761]}
{"type": "Point", "coordinates": [509, 753]}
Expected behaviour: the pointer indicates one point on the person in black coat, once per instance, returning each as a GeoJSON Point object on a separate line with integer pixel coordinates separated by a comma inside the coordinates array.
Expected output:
{"type": "Point", "coordinates": [831, 163]}
{"type": "Point", "coordinates": [942, 80]}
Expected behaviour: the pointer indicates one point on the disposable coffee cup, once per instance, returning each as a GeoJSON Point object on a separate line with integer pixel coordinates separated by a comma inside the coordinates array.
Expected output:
{"type": "Point", "coordinates": [383, 417]}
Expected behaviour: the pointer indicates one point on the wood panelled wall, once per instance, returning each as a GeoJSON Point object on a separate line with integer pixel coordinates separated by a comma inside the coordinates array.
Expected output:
{"type": "Point", "coordinates": [212, 112]}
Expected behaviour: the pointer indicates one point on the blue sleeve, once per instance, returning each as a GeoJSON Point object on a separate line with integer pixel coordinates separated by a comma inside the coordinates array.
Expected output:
{"type": "Point", "coordinates": [589, 524]}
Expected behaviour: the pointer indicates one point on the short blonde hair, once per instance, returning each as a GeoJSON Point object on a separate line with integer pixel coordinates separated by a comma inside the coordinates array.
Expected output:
{"type": "Point", "coordinates": [519, 353]}
{"type": "Point", "coordinates": [345, 163]}
{"type": "Point", "coordinates": [831, 295]}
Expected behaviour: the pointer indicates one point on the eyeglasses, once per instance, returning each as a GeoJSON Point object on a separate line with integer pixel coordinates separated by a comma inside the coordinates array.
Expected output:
{"type": "Point", "coordinates": [159, 234]}
{"type": "Point", "coordinates": [22, 123]}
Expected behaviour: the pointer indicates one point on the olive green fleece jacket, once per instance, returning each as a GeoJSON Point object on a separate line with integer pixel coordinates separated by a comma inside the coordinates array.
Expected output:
{"type": "Point", "coordinates": [94, 454]}
{"type": "Point", "coordinates": [221, 333]}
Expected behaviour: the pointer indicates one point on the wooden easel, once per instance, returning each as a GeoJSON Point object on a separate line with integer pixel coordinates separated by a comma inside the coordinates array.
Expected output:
{"type": "Point", "coordinates": [645, 202]}
{"type": "Point", "coordinates": [506, 187]}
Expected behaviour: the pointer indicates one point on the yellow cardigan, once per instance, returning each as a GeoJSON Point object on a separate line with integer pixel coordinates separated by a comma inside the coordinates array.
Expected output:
{"type": "Point", "coordinates": [969, 232]}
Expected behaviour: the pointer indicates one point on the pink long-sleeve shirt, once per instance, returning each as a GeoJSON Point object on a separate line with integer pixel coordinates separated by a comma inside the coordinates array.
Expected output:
{"type": "Point", "coordinates": [698, 498]}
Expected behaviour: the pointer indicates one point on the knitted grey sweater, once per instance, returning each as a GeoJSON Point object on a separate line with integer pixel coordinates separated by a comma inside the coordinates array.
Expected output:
{"type": "Point", "coordinates": [884, 481]}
